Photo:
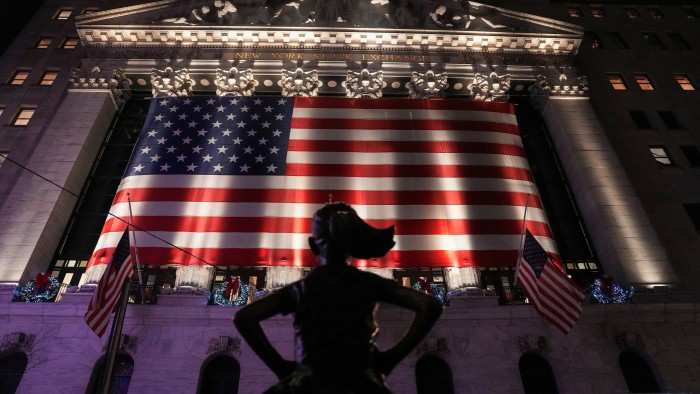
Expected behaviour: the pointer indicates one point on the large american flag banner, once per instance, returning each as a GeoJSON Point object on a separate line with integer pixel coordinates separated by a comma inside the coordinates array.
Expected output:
{"type": "Point", "coordinates": [236, 180]}
{"type": "Point", "coordinates": [555, 296]}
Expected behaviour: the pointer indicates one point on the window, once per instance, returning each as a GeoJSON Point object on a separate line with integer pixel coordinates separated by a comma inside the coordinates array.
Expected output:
{"type": "Point", "coordinates": [617, 41]}
{"type": "Point", "coordinates": [597, 12]}
{"type": "Point", "coordinates": [640, 119]}
{"type": "Point", "coordinates": [48, 78]}
{"type": "Point", "coordinates": [536, 374]}
{"type": "Point", "coordinates": [693, 211]}
{"type": "Point", "coordinates": [655, 13]}
{"type": "Point", "coordinates": [575, 12]}
{"type": "Point", "coordinates": [19, 78]}
{"type": "Point", "coordinates": [121, 375]}
{"type": "Point", "coordinates": [678, 41]}
{"type": "Point", "coordinates": [690, 13]}
{"type": "Point", "coordinates": [638, 374]}
{"type": "Point", "coordinates": [220, 374]}
{"type": "Point", "coordinates": [23, 116]}
{"type": "Point", "coordinates": [643, 81]}
{"type": "Point", "coordinates": [63, 14]}
{"type": "Point", "coordinates": [617, 82]}
{"type": "Point", "coordinates": [692, 153]}
{"type": "Point", "coordinates": [12, 367]}
{"type": "Point", "coordinates": [433, 375]}
{"type": "Point", "coordinates": [653, 40]}
{"type": "Point", "coordinates": [684, 81]}
{"type": "Point", "coordinates": [43, 42]}
{"type": "Point", "coordinates": [661, 155]}
{"type": "Point", "coordinates": [669, 119]}
{"type": "Point", "coordinates": [632, 13]}
{"type": "Point", "coordinates": [70, 43]}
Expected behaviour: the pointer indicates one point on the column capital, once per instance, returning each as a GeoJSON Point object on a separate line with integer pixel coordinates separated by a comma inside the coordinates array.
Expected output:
{"type": "Point", "coordinates": [115, 81]}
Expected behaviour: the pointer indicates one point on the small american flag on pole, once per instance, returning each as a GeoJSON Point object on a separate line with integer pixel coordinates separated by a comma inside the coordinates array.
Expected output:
{"type": "Point", "coordinates": [235, 180]}
{"type": "Point", "coordinates": [555, 297]}
{"type": "Point", "coordinates": [105, 299]}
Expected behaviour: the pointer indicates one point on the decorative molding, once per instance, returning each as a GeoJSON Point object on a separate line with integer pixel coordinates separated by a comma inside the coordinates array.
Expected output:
{"type": "Point", "coordinates": [427, 85]}
{"type": "Point", "coordinates": [629, 341]}
{"type": "Point", "coordinates": [17, 342]}
{"type": "Point", "coordinates": [433, 344]}
{"type": "Point", "coordinates": [224, 344]}
{"type": "Point", "coordinates": [565, 88]}
{"type": "Point", "coordinates": [115, 81]}
{"type": "Point", "coordinates": [232, 82]}
{"type": "Point", "coordinates": [299, 83]}
{"type": "Point", "coordinates": [545, 87]}
{"type": "Point", "coordinates": [364, 84]}
{"type": "Point", "coordinates": [493, 87]}
{"type": "Point", "coordinates": [198, 277]}
{"type": "Point", "coordinates": [528, 343]}
{"type": "Point", "coordinates": [171, 83]}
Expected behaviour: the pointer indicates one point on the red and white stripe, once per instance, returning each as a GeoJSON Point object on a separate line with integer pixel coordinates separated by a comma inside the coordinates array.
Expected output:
{"type": "Point", "coordinates": [107, 295]}
{"type": "Point", "coordinates": [451, 175]}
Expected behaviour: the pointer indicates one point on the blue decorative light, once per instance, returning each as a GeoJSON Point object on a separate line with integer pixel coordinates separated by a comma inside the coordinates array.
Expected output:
{"type": "Point", "coordinates": [240, 300]}
{"type": "Point", "coordinates": [435, 290]}
{"type": "Point", "coordinates": [608, 292]}
{"type": "Point", "coordinates": [29, 292]}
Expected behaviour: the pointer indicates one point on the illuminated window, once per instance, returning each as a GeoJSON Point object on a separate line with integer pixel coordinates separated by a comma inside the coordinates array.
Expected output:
{"type": "Point", "coordinates": [63, 14]}
{"type": "Point", "coordinates": [43, 42]}
{"type": "Point", "coordinates": [19, 78]}
{"type": "Point", "coordinates": [643, 81]}
{"type": "Point", "coordinates": [617, 82]}
{"type": "Point", "coordinates": [23, 116]}
{"type": "Point", "coordinates": [678, 41]}
{"type": "Point", "coordinates": [575, 12]}
{"type": "Point", "coordinates": [597, 12]}
{"type": "Point", "coordinates": [661, 155]}
{"type": "Point", "coordinates": [48, 78]}
{"type": "Point", "coordinates": [669, 119]}
{"type": "Point", "coordinates": [690, 13]}
{"type": "Point", "coordinates": [640, 119]}
{"type": "Point", "coordinates": [684, 81]}
{"type": "Point", "coordinates": [632, 13]}
{"type": "Point", "coordinates": [692, 153]}
{"type": "Point", "coordinates": [655, 13]}
{"type": "Point", "coordinates": [617, 41]}
{"type": "Point", "coordinates": [653, 40]}
{"type": "Point", "coordinates": [70, 43]}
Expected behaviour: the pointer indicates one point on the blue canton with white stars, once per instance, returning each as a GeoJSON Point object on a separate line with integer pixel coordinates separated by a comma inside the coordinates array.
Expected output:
{"type": "Point", "coordinates": [533, 253]}
{"type": "Point", "coordinates": [214, 136]}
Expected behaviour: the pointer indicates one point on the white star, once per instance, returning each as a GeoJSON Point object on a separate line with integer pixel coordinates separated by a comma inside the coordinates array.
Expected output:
{"type": "Point", "coordinates": [266, 125]}
{"type": "Point", "coordinates": [187, 101]}
{"type": "Point", "coordinates": [268, 109]}
{"type": "Point", "coordinates": [255, 117]}
{"type": "Point", "coordinates": [210, 101]}
{"type": "Point", "coordinates": [241, 124]}
{"type": "Point", "coordinates": [164, 103]}
{"type": "Point", "coordinates": [259, 159]}
{"type": "Point", "coordinates": [196, 149]}
{"type": "Point", "coordinates": [206, 116]}
{"type": "Point", "coordinates": [152, 133]}
{"type": "Point", "coordinates": [257, 101]}
{"type": "Point", "coordinates": [201, 132]}
{"type": "Point", "coordinates": [167, 124]}
{"type": "Point", "coordinates": [251, 132]}
{"type": "Point", "coordinates": [197, 109]}
{"type": "Point", "coordinates": [183, 116]}
{"type": "Point", "coordinates": [244, 168]}
{"type": "Point", "coordinates": [218, 167]}
{"type": "Point", "coordinates": [262, 141]}
{"type": "Point", "coordinates": [177, 132]}
{"type": "Point", "coordinates": [161, 141]}
{"type": "Point", "coordinates": [281, 102]}
{"type": "Point", "coordinates": [187, 140]}
{"type": "Point", "coordinates": [159, 117]}
{"type": "Point", "coordinates": [138, 168]}
{"type": "Point", "coordinates": [216, 124]}
{"type": "Point", "coordinates": [220, 108]}
{"type": "Point", "coordinates": [234, 102]}
{"type": "Point", "coordinates": [244, 108]}
{"type": "Point", "coordinates": [230, 116]}
{"type": "Point", "coordinates": [172, 149]}
{"type": "Point", "coordinates": [191, 167]}
{"type": "Point", "coordinates": [207, 158]}
{"type": "Point", "coordinates": [165, 167]}
{"type": "Point", "coordinates": [181, 157]}
{"type": "Point", "coordinates": [155, 158]}
{"type": "Point", "coordinates": [222, 149]}
{"type": "Point", "coordinates": [279, 116]}
{"type": "Point", "coordinates": [192, 124]}
{"type": "Point", "coordinates": [212, 141]}
{"type": "Point", "coordinates": [271, 168]}
{"type": "Point", "coordinates": [226, 132]}
{"type": "Point", "coordinates": [277, 133]}
{"type": "Point", "coordinates": [248, 150]}
{"type": "Point", "coordinates": [237, 141]}
{"type": "Point", "coordinates": [173, 109]}
{"type": "Point", "coordinates": [274, 150]}
{"type": "Point", "coordinates": [145, 150]}
{"type": "Point", "coordinates": [233, 158]}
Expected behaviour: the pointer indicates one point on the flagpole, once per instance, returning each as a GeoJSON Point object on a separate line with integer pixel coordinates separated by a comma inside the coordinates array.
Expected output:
{"type": "Point", "coordinates": [114, 337]}
{"type": "Point", "coordinates": [136, 249]}
{"type": "Point", "coordinates": [522, 238]}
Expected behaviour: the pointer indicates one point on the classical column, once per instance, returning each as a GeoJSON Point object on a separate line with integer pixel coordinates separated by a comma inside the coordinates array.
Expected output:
{"type": "Point", "coordinates": [622, 234]}
{"type": "Point", "coordinates": [39, 210]}
{"type": "Point", "coordinates": [233, 82]}
{"type": "Point", "coordinates": [364, 84]}
{"type": "Point", "coordinates": [299, 83]}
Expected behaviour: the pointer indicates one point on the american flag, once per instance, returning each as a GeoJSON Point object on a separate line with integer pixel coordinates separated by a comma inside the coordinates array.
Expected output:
{"type": "Point", "coordinates": [555, 297]}
{"type": "Point", "coordinates": [235, 180]}
{"type": "Point", "coordinates": [110, 286]}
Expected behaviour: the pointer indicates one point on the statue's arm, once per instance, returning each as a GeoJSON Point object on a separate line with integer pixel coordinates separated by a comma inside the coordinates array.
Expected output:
{"type": "Point", "coordinates": [247, 321]}
{"type": "Point", "coordinates": [427, 311]}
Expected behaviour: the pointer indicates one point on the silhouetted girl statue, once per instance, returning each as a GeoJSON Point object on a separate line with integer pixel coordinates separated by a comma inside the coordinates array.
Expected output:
{"type": "Point", "coordinates": [333, 311]}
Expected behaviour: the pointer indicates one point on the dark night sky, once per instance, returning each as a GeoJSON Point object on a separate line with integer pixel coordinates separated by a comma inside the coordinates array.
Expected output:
{"type": "Point", "coordinates": [15, 15]}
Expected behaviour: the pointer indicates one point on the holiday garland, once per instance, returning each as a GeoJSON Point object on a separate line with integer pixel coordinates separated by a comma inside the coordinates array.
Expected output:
{"type": "Point", "coordinates": [225, 293]}
{"type": "Point", "coordinates": [606, 291]}
{"type": "Point", "coordinates": [40, 289]}
{"type": "Point", "coordinates": [427, 286]}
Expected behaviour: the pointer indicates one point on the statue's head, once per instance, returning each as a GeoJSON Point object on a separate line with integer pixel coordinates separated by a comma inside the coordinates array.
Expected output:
{"type": "Point", "coordinates": [338, 233]}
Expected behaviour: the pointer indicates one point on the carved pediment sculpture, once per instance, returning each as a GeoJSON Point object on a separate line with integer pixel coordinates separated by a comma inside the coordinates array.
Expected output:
{"type": "Point", "coordinates": [493, 87]}
{"type": "Point", "coordinates": [232, 82]}
{"type": "Point", "coordinates": [364, 84]}
{"type": "Point", "coordinates": [171, 83]}
{"type": "Point", "coordinates": [427, 85]}
{"type": "Point", "coordinates": [299, 83]}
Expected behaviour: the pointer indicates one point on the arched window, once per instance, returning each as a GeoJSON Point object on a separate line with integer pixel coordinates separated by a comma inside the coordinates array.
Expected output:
{"type": "Point", "coordinates": [639, 376]}
{"type": "Point", "coordinates": [536, 374]}
{"type": "Point", "coordinates": [433, 376]}
{"type": "Point", "coordinates": [12, 368]}
{"type": "Point", "coordinates": [121, 375]}
{"type": "Point", "coordinates": [219, 375]}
